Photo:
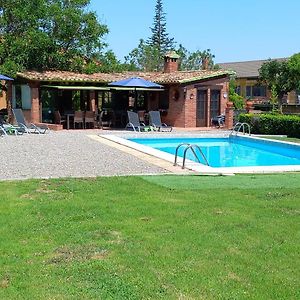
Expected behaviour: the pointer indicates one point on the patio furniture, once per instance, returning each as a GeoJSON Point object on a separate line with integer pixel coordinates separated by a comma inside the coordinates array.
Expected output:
{"type": "Point", "coordinates": [105, 119]}
{"type": "Point", "coordinates": [155, 121]}
{"type": "Point", "coordinates": [218, 121]}
{"type": "Point", "coordinates": [89, 118]}
{"type": "Point", "coordinates": [28, 127]}
{"type": "Point", "coordinates": [79, 118]}
{"type": "Point", "coordinates": [58, 119]}
{"type": "Point", "coordinates": [6, 128]}
{"type": "Point", "coordinates": [134, 122]}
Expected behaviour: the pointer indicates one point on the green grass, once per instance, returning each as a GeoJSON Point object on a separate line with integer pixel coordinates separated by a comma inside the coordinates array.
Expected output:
{"type": "Point", "coordinates": [160, 237]}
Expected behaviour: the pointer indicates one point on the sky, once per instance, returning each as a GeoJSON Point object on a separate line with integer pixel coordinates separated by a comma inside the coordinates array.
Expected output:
{"type": "Point", "coordinates": [234, 30]}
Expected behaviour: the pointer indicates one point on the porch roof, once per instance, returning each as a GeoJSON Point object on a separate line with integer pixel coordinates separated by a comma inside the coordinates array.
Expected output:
{"type": "Point", "coordinates": [99, 88]}
{"type": "Point", "coordinates": [104, 78]}
{"type": "Point", "coordinates": [70, 87]}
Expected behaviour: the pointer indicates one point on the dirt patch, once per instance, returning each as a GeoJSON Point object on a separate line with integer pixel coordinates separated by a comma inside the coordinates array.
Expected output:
{"type": "Point", "coordinates": [4, 282]}
{"type": "Point", "coordinates": [68, 254]}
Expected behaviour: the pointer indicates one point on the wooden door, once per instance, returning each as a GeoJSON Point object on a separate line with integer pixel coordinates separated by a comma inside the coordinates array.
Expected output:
{"type": "Point", "coordinates": [201, 108]}
{"type": "Point", "coordinates": [214, 103]}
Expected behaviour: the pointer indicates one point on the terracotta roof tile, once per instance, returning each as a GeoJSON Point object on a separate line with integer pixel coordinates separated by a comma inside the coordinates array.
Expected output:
{"type": "Point", "coordinates": [158, 77]}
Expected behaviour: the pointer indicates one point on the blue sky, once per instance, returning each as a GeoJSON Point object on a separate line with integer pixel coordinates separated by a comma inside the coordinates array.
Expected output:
{"type": "Point", "coordinates": [234, 30]}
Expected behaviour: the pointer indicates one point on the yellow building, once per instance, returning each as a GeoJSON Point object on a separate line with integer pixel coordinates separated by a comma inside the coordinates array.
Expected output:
{"type": "Point", "coordinates": [247, 74]}
{"type": "Point", "coordinates": [2, 95]}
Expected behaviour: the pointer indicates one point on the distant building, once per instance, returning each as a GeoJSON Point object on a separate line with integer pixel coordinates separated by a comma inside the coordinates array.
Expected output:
{"type": "Point", "coordinates": [247, 74]}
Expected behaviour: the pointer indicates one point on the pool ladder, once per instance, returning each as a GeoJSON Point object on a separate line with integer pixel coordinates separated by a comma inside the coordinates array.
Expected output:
{"type": "Point", "coordinates": [192, 147]}
{"type": "Point", "coordinates": [238, 126]}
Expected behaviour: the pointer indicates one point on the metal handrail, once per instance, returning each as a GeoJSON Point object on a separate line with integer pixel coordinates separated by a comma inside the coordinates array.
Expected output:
{"type": "Point", "coordinates": [189, 146]}
{"type": "Point", "coordinates": [238, 126]}
{"type": "Point", "coordinates": [195, 154]}
{"type": "Point", "coordinates": [176, 151]}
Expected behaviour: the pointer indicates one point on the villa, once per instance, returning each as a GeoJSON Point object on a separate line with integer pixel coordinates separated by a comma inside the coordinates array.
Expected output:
{"type": "Point", "coordinates": [188, 98]}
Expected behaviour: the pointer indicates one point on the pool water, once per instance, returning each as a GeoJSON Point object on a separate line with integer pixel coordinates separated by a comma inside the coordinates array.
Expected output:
{"type": "Point", "coordinates": [234, 151]}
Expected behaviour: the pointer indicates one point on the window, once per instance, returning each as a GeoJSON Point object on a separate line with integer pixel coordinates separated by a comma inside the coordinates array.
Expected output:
{"type": "Point", "coordinates": [256, 91]}
{"type": "Point", "coordinates": [248, 91]}
{"type": "Point", "coordinates": [21, 96]}
{"type": "Point", "coordinates": [259, 91]}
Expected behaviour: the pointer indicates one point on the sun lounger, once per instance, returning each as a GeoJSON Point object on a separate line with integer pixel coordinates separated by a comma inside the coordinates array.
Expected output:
{"type": "Point", "coordinates": [27, 127]}
{"type": "Point", "coordinates": [6, 128]}
{"type": "Point", "coordinates": [155, 121]}
{"type": "Point", "coordinates": [134, 122]}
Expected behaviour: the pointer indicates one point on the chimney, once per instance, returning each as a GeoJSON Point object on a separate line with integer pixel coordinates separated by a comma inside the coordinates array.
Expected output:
{"type": "Point", "coordinates": [171, 62]}
{"type": "Point", "coordinates": [205, 63]}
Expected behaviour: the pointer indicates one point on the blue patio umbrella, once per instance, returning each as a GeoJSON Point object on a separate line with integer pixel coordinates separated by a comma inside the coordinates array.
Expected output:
{"type": "Point", "coordinates": [136, 82]}
{"type": "Point", "coordinates": [3, 77]}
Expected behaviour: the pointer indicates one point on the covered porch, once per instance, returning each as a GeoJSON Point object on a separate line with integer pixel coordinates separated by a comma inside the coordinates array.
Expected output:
{"type": "Point", "coordinates": [188, 99]}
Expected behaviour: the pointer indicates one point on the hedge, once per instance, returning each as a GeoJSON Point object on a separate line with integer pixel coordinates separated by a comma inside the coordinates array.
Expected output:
{"type": "Point", "coordinates": [272, 124]}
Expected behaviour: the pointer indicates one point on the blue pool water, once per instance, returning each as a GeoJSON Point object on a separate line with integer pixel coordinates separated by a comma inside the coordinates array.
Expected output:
{"type": "Point", "coordinates": [234, 151]}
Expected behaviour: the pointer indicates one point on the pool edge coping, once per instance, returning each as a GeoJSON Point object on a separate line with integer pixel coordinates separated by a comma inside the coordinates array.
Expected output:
{"type": "Point", "coordinates": [201, 168]}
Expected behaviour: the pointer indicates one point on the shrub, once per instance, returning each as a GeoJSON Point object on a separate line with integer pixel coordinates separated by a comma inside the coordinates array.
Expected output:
{"type": "Point", "coordinates": [272, 124]}
{"type": "Point", "coordinates": [237, 100]}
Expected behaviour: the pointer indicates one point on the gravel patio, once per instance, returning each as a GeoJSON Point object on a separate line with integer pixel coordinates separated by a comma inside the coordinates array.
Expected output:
{"type": "Point", "coordinates": [70, 153]}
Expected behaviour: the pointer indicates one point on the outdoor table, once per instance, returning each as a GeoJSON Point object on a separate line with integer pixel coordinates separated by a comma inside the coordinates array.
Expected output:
{"type": "Point", "coordinates": [68, 115]}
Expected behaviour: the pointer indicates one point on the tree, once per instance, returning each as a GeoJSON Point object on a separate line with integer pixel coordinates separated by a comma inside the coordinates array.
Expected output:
{"type": "Point", "coordinates": [233, 96]}
{"type": "Point", "coordinates": [277, 76]}
{"type": "Point", "coordinates": [56, 34]}
{"type": "Point", "coordinates": [195, 60]}
{"type": "Point", "coordinates": [294, 67]}
{"type": "Point", "coordinates": [160, 38]}
{"type": "Point", "coordinates": [148, 55]}
{"type": "Point", "coordinates": [144, 58]}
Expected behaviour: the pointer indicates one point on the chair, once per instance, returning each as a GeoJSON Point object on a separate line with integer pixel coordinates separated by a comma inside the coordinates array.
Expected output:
{"type": "Point", "coordinates": [79, 118]}
{"type": "Point", "coordinates": [89, 118]}
{"type": "Point", "coordinates": [218, 121]}
{"type": "Point", "coordinates": [28, 127]}
{"type": "Point", "coordinates": [58, 119]}
{"type": "Point", "coordinates": [134, 122]}
{"type": "Point", "coordinates": [155, 121]}
{"type": "Point", "coordinates": [6, 128]}
{"type": "Point", "coordinates": [105, 119]}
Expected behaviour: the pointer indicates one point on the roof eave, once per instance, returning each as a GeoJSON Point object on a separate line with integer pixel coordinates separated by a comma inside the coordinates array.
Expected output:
{"type": "Point", "coordinates": [209, 76]}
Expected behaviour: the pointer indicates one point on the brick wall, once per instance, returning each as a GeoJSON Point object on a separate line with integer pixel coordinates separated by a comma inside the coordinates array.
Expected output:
{"type": "Point", "coordinates": [35, 105]}
{"type": "Point", "coordinates": [176, 111]}
{"type": "Point", "coordinates": [190, 106]}
{"type": "Point", "coordinates": [182, 111]}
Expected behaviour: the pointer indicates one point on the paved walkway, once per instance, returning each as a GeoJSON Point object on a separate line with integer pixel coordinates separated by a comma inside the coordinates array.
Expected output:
{"type": "Point", "coordinates": [73, 153]}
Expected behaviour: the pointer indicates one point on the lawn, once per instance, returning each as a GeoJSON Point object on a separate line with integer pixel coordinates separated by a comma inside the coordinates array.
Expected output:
{"type": "Point", "coordinates": [160, 237]}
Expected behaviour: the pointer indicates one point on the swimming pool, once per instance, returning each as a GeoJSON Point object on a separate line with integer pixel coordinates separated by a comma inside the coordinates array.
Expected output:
{"type": "Point", "coordinates": [233, 151]}
{"type": "Point", "coordinates": [225, 154]}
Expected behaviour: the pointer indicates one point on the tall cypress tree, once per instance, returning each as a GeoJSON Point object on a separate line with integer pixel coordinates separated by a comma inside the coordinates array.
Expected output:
{"type": "Point", "coordinates": [160, 39]}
